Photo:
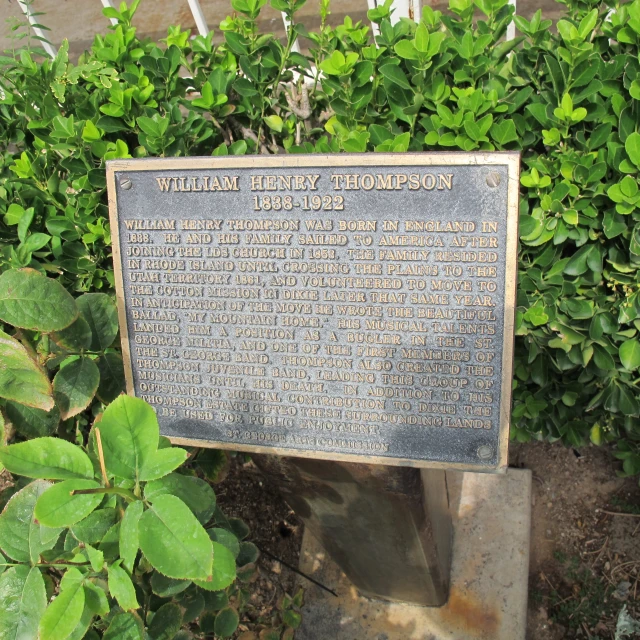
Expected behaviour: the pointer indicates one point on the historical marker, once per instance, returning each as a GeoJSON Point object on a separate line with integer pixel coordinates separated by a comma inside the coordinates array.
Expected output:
{"type": "Point", "coordinates": [347, 307]}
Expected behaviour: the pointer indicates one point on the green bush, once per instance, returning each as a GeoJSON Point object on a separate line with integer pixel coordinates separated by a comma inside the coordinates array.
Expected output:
{"type": "Point", "coordinates": [568, 99]}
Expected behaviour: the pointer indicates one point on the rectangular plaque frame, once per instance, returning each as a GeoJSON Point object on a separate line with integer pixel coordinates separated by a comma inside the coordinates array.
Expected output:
{"type": "Point", "coordinates": [496, 461]}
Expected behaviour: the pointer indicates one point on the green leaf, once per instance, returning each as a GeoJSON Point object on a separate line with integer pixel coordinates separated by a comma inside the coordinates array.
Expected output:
{"type": "Point", "coordinates": [226, 622]}
{"type": "Point", "coordinates": [406, 49]}
{"type": "Point", "coordinates": [125, 626]}
{"type": "Point", "coordinates": [504, 132]}
{"type": "Point", "coordinates": [629, 352]}
{"type": "Point", "coordinates": [30, 300]}
{"type": "Point", "coordinates": [167, 587]}
{"type": "Point", "coordinates": [22, 538]}
{"type": "Point", "coordinates": [96, 557]}
{"type": "Point", "coordinates": [94, 527]}
{"type": "Point", "coordinates": [166, 622]}
{"type": "Point", "coordinates": [173, 541]}
{"type": "Point", "coordinates": [422, 38]}
{"type": "Point", "coordinates": [632, 146]}
{"type": "Point", "coordinates": [577, 265]}
{"type": "Point", "coordinates": [21, 379]}
{"type": "Point", "coordinates": [602, 358]}
{"type": "Point", "coordinates": [194, 492]}
{"type": "Point", "coordinates": [112, 380]}
{"type": "Point", "coordinates": [226, 539]}
{"type": "Point", "coordinates": [57, 507]}
{"type": "Point", "coordinates": [75, 385]}
{"type": "Point", "coordinates": [161, 463]}
{"type": "Point", "coordinates": [75, 337]}
{"type": "Point", "coordinates": [224, 569]}
{"type": "Point", "coordinates": [121, 587]}
{"type": "Point", "coordinates": [64, 613]}
{"type": "Point", "coordinates": [23, 600]}
{"type": "Point", "coordinates": [49, 458]}
{"type": "Point", "coordinates": [248, 553]}
{"type": "Point", "coordinates": [96, 598]}
{"type": "Point", "coordinates": [393, 73]}
{"type": "Point", "coordinates": [129, 541]}
{"type": "Point", "coordinates": [31, 422]}
{"type": "Point", "coordinates": [274, 122]}
{"type": "Point", "coordinates": [102, 315]}
{"type": "Point", "coordinates": [130, 432]}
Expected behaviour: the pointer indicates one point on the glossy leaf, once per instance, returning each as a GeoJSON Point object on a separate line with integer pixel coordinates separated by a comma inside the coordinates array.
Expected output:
{"type": "Point", "coordinates": [21, 379]}
{"type": "Point", "coordinates": [122, 588]}
{"type": "Point", "coordinates": [23, 600]}
{"type": "Point", "coordinates": [22, 537]}
{"type": "Point", "coordinates": [58, 507]}
{"type": "Point", "coordinates": [102, 316]}
{"type": "Point", "coordinates": [75, 385]}
{"type": "Point", "coordinates": [195, 493]}
{"type": "Point", "coordinates": [130, 433]}
{"type": "Point", "coordinates": [173, 541]}
{"type": "Point", "coordinates": [630, 354]}
{"type": "Point", "coordinates": [30, 300]}
{"type": "Point", "coordinates": [49, 458]}
{"type": "Point", "coordinates": [129, 538]}
{"type": "Point", "coordinates": [65, 611]}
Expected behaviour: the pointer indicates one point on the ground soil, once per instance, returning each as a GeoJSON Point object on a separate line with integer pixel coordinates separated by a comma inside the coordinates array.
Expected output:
{"type": "Point", "coordinates": [585, 542]}
{"type": "Point", "coordinates": [275, 530]}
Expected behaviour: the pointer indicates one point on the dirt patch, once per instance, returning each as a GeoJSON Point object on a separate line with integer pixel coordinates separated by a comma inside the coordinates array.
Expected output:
{"type": "Point", "coordinates": [585, 558]}
{"type": "Point", "coordinates": [245, 493]}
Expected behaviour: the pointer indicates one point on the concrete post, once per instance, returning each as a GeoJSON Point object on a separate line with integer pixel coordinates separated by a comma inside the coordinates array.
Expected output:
{"type": "Point", "coordinates": [388, 528]}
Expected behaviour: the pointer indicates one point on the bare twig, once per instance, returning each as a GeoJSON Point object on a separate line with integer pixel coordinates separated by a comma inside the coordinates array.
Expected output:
{"type": "Point", "coordinates": [618, 513]}
{"type": "Point", "coordinates": [247, 134]}
{"type": "Point", "coordinates": [103, 468]}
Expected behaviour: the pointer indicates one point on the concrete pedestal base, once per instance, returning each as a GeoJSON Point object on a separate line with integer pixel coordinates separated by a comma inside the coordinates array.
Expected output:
{"type": "Point", "coordinates": [488, 597]}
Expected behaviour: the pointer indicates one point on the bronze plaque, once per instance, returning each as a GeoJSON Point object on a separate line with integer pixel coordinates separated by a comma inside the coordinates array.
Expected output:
{"type": "Point", "coordinates": [346, 307]}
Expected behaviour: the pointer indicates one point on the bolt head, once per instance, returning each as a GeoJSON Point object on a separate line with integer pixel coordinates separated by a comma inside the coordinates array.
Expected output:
{"type": "Point", "coordinates": [493, 179]}
{"type": "Point", "coordinates": [485, 452]}
{"type": "Point", "coordinates": [125, 183]}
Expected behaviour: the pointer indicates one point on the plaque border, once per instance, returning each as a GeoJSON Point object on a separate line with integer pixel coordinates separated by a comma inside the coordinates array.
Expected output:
{"type": "Point", "coordinates": [510, 159]}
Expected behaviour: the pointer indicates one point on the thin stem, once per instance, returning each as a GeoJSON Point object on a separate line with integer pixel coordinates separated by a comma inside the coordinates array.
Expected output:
{"type": "Point", "coordinates": [103, 468]}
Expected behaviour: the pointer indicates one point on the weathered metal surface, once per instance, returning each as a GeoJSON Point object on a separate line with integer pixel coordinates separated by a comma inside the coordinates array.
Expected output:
{"type": "Point", "coordinates": [389, 529]}
{"type": "Point", "coordinates": [489, 574]}
{"type": "Point", "coordinates": [355, 308]}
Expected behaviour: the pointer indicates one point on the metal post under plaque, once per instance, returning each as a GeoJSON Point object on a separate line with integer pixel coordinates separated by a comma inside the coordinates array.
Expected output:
{"type": "Point", "coordinates": [351, 314]}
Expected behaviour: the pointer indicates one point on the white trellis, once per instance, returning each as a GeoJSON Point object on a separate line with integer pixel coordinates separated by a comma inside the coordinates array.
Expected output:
{"type": "Point", "coordinates": [402, 9]}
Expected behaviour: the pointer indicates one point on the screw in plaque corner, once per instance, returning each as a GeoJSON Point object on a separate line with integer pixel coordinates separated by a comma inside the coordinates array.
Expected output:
{"type": "Point", "coordinates": [126, 184]}
{"type": "Point", "coordinates": [493, 179]}
{"type": "Point", "coordinates": [485, 452]}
